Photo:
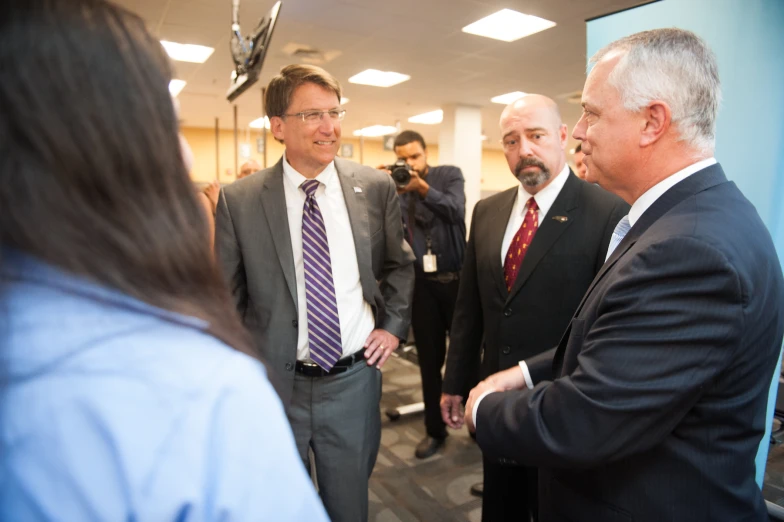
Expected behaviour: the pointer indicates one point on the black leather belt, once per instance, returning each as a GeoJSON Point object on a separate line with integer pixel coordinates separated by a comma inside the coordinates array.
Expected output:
{"type": "Point", "coordinates": [443, 277]}
{"type": "Point", "coordinates": [311, 369]}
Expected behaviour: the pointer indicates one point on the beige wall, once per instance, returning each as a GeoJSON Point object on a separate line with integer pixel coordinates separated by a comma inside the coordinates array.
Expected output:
{"type": "Point", "coordinates": [495, 172]}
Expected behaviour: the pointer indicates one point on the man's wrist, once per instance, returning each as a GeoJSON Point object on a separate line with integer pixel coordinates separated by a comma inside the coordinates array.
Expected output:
{"type": "Point", "coordinates": [423, 188]}
{"type": "Point", "coordinates": [476, 405]}
{"type": "Point", "coordinates": [529, 383]}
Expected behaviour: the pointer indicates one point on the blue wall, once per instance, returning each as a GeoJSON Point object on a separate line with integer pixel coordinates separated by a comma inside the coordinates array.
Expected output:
{"type": "Point", "coordinates": [748, 39]}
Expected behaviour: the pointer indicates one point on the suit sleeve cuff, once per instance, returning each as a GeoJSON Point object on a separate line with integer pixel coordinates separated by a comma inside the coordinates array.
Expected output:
{"type": "Point", "coordinates": [433, 195]}
{"type": "Point", "coordinates": [526, 375]}
{"type": "Point", "coordinates": [476, 405]}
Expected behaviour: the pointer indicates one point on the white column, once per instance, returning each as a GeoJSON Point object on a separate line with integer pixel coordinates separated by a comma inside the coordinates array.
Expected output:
{"type": "Point", "coordinates": [460, 144]}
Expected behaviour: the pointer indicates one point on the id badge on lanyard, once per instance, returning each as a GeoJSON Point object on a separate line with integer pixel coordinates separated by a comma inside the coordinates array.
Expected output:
{"type": "Point", "coordinates": [429, 263]}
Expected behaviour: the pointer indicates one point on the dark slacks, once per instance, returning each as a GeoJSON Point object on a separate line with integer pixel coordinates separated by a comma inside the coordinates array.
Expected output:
{"type": "Point", "coordinates": [510, 493]}
{"type": "Point", "coordinates": [432, 309]}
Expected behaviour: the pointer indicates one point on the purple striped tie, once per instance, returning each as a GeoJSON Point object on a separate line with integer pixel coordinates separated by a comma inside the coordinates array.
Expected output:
{"type": "Point", "coordinates": [323, 322]}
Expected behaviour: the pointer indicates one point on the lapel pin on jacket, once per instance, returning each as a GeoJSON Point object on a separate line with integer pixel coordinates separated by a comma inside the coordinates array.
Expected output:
{"type": "Point", "coordinates": [562, 219]}
{"type": "Point", "coordinates": [357, 190]}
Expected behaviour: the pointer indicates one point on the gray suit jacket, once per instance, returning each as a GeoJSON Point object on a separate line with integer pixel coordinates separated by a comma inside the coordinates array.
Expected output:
{"type": "Point", "coordinates": [253, 248]}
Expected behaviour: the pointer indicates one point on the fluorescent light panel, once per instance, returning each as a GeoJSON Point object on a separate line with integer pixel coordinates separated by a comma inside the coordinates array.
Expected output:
{"type": "Point", "coordinates": [187, 52]}
{"type": "Point", "coordinates": [378, 78]}
{"type": "Point", "coordinates": [508, 25]}
{"type": "Point", "coordinates": [506, 99]}
{"type": "Point", "coordinates": [375, 131]}
{"type": "Point", "coordinates": [259, 123]}
{"type": "Point", "coordinates": [175, 86]}
{"type": "Point", "coordinates": [428, 118]}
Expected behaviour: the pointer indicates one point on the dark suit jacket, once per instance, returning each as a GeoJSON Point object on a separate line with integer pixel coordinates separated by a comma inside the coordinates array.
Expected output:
{"type": "Point", "coordinates": [560, 264]}
{"type": "Point", "coordinates": [253, 248]}
{"type": "Point", "coordinates": [664, 372]}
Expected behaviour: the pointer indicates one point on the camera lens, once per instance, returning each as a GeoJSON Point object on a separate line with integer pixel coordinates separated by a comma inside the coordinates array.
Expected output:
{"type": "Point", "coordinates": [401, 175]}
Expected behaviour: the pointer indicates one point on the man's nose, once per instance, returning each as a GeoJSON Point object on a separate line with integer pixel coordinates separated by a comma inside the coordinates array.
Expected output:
{"type": "Point", "coordinates": [525, 148]}
{"type": "Point", "coordinates": [579, 129]}
{"type": "Point", "coordinates": [326, 124]}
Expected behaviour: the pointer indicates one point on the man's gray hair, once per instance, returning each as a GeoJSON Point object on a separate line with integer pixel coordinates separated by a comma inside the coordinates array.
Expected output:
{"type": "Point", "coordinates": [674, 66]}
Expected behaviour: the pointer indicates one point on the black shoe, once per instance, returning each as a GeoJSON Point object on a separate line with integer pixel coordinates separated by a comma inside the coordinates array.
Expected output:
{"type": "Point", "coordinates": [428, 447]}
{"type": "Point", "coordinates": [478, 489]}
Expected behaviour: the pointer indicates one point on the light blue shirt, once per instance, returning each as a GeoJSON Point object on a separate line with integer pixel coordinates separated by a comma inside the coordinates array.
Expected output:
{"type": "Point", "coordinates": [113, 410]}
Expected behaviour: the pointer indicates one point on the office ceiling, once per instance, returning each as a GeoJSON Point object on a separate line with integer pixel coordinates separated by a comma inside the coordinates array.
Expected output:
{"type": "Point", "coordinates": [421, 38]}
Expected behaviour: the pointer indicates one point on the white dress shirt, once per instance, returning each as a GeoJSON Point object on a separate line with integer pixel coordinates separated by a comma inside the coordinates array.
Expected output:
{"type": "Point", "coordinates": [639, 207]}
{"type": "Point", "coordinates": [644, 202]}
{"type": "Point", "coordinates": [356, 316]}
{"type": "Point", "coordinates": [544, 200]}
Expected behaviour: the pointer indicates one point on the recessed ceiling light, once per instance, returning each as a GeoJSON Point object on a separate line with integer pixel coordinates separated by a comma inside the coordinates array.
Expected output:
{"type": "Point", "coordinates": [375, 131]}
{"type": "Point", "coordinates": [506, 99]}
{"type": "Point", "coordinates": [508, 25]}
{"type": "Point", "coordinates": [428, 118]}
{"type": "Point", "coordinates": [344, 101]}
{"type": "Point", "coordinates": [378, 78]}
{"type": "Point", "coordinates": [259, 123]}
{"type": "Point", "coordinates": [187, 52]}
{"type": "Point", "coordinates": [175, 86]}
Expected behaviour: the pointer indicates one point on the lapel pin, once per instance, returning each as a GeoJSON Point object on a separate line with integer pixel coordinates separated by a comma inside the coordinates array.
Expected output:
{"type": "Point", "coordinates": [357, 190]}
{"type": "Point", "coordinates": [562, 219]}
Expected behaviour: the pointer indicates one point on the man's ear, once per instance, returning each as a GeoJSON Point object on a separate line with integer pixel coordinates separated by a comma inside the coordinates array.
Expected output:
{"type": "Point", "coordinates": [563, 135]}
{"type": "Point", "coordinates": [657, 118]}
{"type": "Point", "coordinates": [276, 127]}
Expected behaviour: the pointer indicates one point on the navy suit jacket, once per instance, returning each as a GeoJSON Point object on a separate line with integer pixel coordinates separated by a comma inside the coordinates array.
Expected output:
{"type": "Point", "coordinates": [662, 377]}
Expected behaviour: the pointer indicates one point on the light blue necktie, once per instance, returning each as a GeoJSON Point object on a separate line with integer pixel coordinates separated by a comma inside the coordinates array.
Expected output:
{"type": "Point", "coordinates": [618, 234]}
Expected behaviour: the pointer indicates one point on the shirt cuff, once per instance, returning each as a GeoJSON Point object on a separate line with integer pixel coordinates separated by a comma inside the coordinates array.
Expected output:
{"type": "Point", "coordinates": [476, 405]}
{"type": "Point", "coordinates": [526, 375]}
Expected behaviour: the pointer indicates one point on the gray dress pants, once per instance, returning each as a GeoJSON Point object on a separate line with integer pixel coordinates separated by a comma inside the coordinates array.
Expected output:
{"type": "Point", "coordinates": [339, 418]}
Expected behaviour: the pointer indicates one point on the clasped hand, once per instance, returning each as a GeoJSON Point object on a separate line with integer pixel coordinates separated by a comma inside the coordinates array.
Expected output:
{"type": "Point", "coordinates": [511, 379]}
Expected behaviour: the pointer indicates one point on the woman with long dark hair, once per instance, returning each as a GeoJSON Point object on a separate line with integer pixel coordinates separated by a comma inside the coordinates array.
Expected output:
{"type": "Point", "coordinates": [128, 387]}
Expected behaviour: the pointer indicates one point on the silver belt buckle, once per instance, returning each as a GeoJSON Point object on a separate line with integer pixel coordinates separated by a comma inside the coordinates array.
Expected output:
{"type": "Point", "coordinates": [310, 364]}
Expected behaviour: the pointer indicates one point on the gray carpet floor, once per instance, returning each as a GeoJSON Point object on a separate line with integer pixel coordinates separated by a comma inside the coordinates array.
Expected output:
{"type": "Point", "coordinates": [406, 489]}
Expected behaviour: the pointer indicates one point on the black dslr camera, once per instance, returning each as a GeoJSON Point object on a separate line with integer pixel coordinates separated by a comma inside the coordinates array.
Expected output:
{"type": "Point", "coordinates": [401, 172]}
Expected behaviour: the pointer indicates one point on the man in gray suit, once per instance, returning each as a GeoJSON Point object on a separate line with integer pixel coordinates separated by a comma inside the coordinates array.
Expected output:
{"type": "Point", "coordinates": [314, 252]}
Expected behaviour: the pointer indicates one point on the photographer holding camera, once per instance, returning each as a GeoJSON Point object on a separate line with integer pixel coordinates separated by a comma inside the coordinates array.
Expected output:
{"type": "Point", "coordinates": [432, 203]}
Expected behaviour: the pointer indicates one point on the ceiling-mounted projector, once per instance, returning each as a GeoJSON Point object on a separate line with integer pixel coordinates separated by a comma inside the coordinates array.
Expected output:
{"type": "Point", "coordinates": [248, 53]}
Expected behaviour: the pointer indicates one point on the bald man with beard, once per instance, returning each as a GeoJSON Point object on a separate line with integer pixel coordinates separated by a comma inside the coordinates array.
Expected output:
{"type": "Point", "coordinates": [532, 252]}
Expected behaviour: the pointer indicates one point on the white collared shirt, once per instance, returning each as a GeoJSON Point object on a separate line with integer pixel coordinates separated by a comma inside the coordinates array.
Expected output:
{"type": "Point", "coordinates": [356, 316]}
{"type": "Point", "coordinates": [544, 200]}
{"type": "Point", "coordinates": [650, 196]}
{"type": "Point", "coordinates": [639, 207]}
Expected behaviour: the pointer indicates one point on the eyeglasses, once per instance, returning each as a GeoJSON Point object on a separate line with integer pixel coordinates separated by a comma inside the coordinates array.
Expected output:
{"type": "Point", "coordinates": [316, 116]}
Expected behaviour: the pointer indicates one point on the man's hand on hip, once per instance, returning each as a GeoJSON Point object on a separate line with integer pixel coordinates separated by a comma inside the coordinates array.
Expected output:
{"type": "Point", "coordinates": [379, 346]}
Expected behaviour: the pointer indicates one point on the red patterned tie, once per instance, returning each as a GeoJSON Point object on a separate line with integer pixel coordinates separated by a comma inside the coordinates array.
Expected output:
{"type": "Point", "coordinates": [520, 243]}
